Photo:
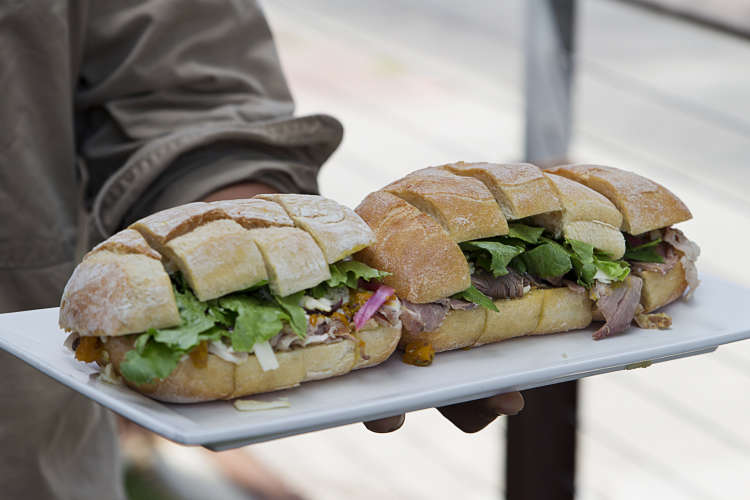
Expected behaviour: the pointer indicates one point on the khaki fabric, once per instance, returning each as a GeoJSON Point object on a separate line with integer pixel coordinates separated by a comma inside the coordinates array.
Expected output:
{"type": "Point", "coordinates": [110, 110]}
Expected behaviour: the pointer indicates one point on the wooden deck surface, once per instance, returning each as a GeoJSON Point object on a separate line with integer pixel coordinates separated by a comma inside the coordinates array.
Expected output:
{"type": "Point", "coordinates": [426, 82]}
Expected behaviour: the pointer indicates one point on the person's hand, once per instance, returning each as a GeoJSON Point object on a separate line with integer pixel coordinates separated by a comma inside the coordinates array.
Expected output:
{"type": "Point", "coordinates": [472, 416]}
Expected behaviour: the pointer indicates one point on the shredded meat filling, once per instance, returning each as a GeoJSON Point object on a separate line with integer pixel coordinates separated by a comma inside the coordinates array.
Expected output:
{"type": "Point", "coordinates": [690, 252]}
{"type": "Point", "coordinates": [617, 302]}
{"type": "Point", "coordinates": [509, 286]}
{"type": "Point", "coordinates": [670, 259]}
{"type": "Point", "coordinates": [418, 318]}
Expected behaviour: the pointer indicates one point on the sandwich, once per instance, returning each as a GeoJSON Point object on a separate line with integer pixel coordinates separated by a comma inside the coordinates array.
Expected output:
{"type": "Point", "coordinates": [220, 300]}
{"type": "Point", "coordinates": [481, 252]}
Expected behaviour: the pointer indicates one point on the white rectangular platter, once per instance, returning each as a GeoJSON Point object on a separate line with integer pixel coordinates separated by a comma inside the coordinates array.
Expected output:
{"type": "Point", "coordinates": [718, 314]}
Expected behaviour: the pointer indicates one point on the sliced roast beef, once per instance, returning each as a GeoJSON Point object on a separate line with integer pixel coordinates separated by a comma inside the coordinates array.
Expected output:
{"type": "Point", "coordinates": [509, 286]}
{"type": "Point", "coordinates": [418, 318]}
{"type": "Point", "coordinates": [617, 302]}
{"type": "Point", "coordinates": [573, 286]}
{"type": "Point", "coordinates": [387, 315]}
{"type": "Point", "coordinates": [690, 252]}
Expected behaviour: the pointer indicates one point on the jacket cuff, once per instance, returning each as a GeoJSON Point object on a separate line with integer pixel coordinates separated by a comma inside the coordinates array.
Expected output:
{"type": "Point", "coordinates": [286, 153]}
{"type": "Point", "coordinates": [197, 175]}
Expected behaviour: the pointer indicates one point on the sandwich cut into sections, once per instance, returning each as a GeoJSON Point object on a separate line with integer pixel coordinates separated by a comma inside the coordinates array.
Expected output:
{"type": "Point", "coordinates": [220, 300]}
{"type": "Point", "coordinates": [560, 260]}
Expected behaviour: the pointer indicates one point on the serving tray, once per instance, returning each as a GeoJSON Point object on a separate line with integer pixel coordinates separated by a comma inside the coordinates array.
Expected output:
{"type": "Point", "coordinates": [718, 314]}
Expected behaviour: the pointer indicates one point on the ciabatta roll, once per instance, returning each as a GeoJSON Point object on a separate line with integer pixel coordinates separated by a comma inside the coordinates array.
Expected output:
{"type": "Point", "coordinates": [573, 244]}
{"type": "Point", "coordinates": [225, 299]}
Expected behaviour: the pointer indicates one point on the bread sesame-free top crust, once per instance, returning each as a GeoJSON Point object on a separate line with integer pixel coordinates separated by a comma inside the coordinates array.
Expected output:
{"type": "Point", "coordinates": [521, 189]}
{"type": "Point", "coordinates": [164, 226]}
{"type": "Point", "coordinates": [462, 205]}
{"type": "Point", "coordinates": [337, 229]}
{"type": "Point", "coordinates": [254, 213]}
{"type": "Point", "coordinates": [644, 204]}
{"type": "Point", "coordinates": [426, 264]}
{"type": "Point", "coordinates": [581, 203]}
{"type": "Point", "coordinates": [294, 262]}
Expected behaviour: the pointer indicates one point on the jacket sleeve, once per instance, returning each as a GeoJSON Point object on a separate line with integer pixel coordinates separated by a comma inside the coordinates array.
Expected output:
{"type": "Point", "coordinates": [177, 98]}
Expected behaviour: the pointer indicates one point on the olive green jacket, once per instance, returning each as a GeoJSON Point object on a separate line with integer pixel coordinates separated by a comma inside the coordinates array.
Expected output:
{"type": "Point", "coordinates": [110, 110]}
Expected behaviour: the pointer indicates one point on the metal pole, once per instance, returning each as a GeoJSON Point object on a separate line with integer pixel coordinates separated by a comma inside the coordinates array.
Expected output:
{"type": "Point", "coordinates": [541, 441]}
{"type": "Point", "coordinates": [548, 68]}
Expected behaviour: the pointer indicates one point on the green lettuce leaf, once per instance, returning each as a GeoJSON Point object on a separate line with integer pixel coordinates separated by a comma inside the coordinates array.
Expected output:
{"type": "Point", "coordinates": [491, 255]}
{"type": "Point", "coordinates": [616, 270]}
{"type": "Point", "coordinates": [297, 317]}
{"type": "Point", "coordinates": [351, 271]}
{"type": "Point", "coordinates": [471, 294]}
{"type": "Point", "coordinates": [255, 322]}
{"type": "Point", "coordinates": [347, 273]}
{"type": "Point", "coordinates": [153, 360]}
{"type": "Point", "coordinates": [548, 260]}
{"type": "Point", "coordinates": [582, 257]}
{"type": "Point", "coordinates": [526, 233]}
{"type": "Point", "coordinates": [644, 253]}
{"type": "Point", "coordinates": [195, 319]}
{"type": "Point", "coordinates": [518, 264]}
{"type": "Point", "coordinates": [218, 314]}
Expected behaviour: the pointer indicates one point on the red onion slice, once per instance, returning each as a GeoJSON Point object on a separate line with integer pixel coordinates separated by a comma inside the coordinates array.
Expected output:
{"type": "Point", "coordinates": [372, 305]}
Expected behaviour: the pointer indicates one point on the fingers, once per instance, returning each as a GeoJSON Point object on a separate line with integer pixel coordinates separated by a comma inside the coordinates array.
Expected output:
{"type": "Point", "coordinates": [506, 404]}
{"type": "Point", "coordinates": [470, 417]}
{"type": "Point", "coordinates": [388, 424]}
{"type": "Point", "coordinates": [474, 416]}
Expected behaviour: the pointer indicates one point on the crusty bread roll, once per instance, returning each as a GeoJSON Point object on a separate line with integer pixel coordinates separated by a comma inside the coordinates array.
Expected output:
{"type": "Point", "coordinates": [426, 262]}
{"type": "Point", "coordinates": [122, 287]}
{"type": "Point", "coordinates": [644, 204]}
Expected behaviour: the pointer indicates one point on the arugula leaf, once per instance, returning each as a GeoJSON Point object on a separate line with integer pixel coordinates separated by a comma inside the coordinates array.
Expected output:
{"type": "Point", "coordinates": [297, 317]}
{"type": "Point", "coordinates": [471, 294]}
{"type": "Point", "coordinates": [548, 260]}
{"type": "Point", "coordinates": [153, 360]}
{"type": "Point", "coordinates": [497, 257]}
{"type": "Point", "coordinates": [644, 253]}
{"type": "Point", "coordinates": [526, 233]}
{"type": "Point", "coordinates": [256, 321]}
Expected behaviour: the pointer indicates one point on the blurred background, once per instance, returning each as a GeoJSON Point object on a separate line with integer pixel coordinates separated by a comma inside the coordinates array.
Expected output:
{"type": "Point", "coordinates": [660, 87]}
